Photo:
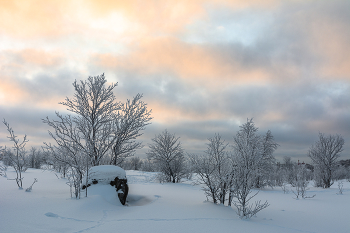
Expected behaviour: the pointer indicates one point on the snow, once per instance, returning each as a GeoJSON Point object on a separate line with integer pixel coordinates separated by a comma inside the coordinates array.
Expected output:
{"type": "Point", "coordinates": [154, 207]}
{"type": "Point", "coordinates": [104, 174]}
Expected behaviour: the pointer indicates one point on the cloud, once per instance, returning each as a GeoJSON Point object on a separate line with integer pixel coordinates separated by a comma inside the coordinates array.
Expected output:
{"type": "Point", "coordinates": [33, 18]}
{"type": "Point", "coordinates": [201, 64]}
{"type": "Point", "coordinates": [34, 77]}
{"type": "Point", "coordinates": [204, 66]}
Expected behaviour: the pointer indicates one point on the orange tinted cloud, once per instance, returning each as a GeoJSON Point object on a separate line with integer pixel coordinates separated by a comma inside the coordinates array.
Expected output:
{"type": "Point", "coordinates": [37, 18]}
{"type": "Point", "coordinates": [33, 18]}
{"type": "Point", "coordinates": [170, 115]}
{"type": "Point", "coordinates": [10, 93]}
{"type": "Point", "coordinates": [18, 81]}
{"type": "Point", "coordinates": [41, 57]}
{"type": "Point", "coordinates": [331, 43]}
{"type": "Point", "coordinates": [187, 61]}
{"type": "Point", "coordinates": [162, 16]}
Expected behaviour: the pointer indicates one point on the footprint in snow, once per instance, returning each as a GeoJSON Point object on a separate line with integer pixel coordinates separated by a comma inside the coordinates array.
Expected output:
{"type": "Point", "coordinates": [51, 215]}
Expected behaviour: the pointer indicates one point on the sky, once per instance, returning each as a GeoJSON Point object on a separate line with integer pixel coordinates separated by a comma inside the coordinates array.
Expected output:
{"type": "Point", "coordinates": [203, 66]}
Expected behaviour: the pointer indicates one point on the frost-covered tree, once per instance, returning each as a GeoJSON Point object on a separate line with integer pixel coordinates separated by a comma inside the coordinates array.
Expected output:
{"type": "Point", "coordinates": [148, 165]}
{"type": "Point", "coordinates": [341, 173]}
{"type": "Point", "coordinates": [132, 118]}
{"type": "Point", "coordinates": [100, 125]}
{"type": "Point", "coordinates": [35, 158]}
{"type": "Point", "coordinates": [71, 162]}
{"type": "Point", "coordinates": [3, 167]}
{"type": "Point", "coordinates": [214, 169]}
{"type": "Point", "coordinates": [16, 158]}
{"type": "Point", "coordinates": [249, 150]}
{"type": "Point", "coordinates": [95, 109]}
{"type": "Point", "coordinates": [300, 181]}
{"type": "Point", "coordinates": [135, 163]}
{"type": "Point", "coordinates": [324, 155]}
{"type": "Point", "coordinates": [289, 171]}
{"type": "Point", "coordinates": [68, 154]}
{"type": "Point", "coordinates": [267, 164]}
{"type": "Point", "coordinates": [166, 151]}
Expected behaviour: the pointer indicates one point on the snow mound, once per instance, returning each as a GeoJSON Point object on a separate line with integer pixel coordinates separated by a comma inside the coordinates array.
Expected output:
{"type": "Point", "coordinates": [104, 174]}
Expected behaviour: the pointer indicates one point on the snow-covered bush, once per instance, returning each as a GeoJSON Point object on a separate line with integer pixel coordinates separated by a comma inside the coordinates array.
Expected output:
{"type": "Point", "coordinates": [340, 187]}
{"type": "Point", "coordinates": [16, 159]}
{"type": "Point", "coordinates": [108, 174]}
{"type": "Point", "coordinates": [71, 162]}
{"type": "Point", "coordinates": [74, 181]}
{"type": "Point", "coordinates": [301, 181]}
{"type": "Point", "coordinates": [29, 189]}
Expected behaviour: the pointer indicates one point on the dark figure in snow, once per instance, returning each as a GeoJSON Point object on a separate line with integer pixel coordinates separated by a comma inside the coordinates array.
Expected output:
{"type": "Point", "coordinates": [122, 189]}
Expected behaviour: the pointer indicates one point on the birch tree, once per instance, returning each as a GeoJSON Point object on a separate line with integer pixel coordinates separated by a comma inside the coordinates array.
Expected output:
{"type": "Point", "coordinates": [214, 169]}
{"type": "Point", "coordinates": [324, 155]}
{"type": "Point", "coordinates": [131, 119]}
{"type": "Point", "coordinates": [167, 152]}
{"type": "Point", "coordinates": [267, 163]}
{"type": "Point", "coordinates": [95, 108]}
{"type": "Point", "coordinates": [100, 125]}
{"type": "Point", "coordinates": [249, 150]}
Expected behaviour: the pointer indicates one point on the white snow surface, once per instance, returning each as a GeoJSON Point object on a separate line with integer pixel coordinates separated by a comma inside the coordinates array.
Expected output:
{"type": "Point", "coordinates": [154, 207]}
{"type": "Point", "coordinates": [104, 174]}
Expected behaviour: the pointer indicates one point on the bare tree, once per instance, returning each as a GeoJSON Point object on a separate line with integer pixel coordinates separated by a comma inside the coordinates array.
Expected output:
{"type": "Point", "coordinates": [324, 155]}
{"type": "Point", "coordinates": [72, 162]}
{"type": "Point", "coordinates": [69, 152]}
{"type": "Point", "coordinates": [100, 126]}
{"type": "Point", "coordinates": [168, 154]}
{"type": "Point", "coordinates": [95, 106]}
{"type": "Point", "coordinates": [132, 118]}
{"type": "Point", "coordinates": [249, 149]}
{"type": "Point", "coordinates": [214, 169]}
{"type": "Point", "coordinates": [17, 159]}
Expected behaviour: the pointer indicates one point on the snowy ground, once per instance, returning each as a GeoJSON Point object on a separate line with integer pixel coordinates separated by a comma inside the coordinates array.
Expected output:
{"type": "Point", "coordinates": [154, 207]}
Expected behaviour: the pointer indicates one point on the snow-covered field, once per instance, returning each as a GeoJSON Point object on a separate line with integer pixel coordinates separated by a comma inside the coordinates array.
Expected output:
{"type": "Point", "coordinates": [154, 207]}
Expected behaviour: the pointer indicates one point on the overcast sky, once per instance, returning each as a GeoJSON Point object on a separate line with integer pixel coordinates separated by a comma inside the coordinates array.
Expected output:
{"type": "Point", "coordinates": [203, 66]}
